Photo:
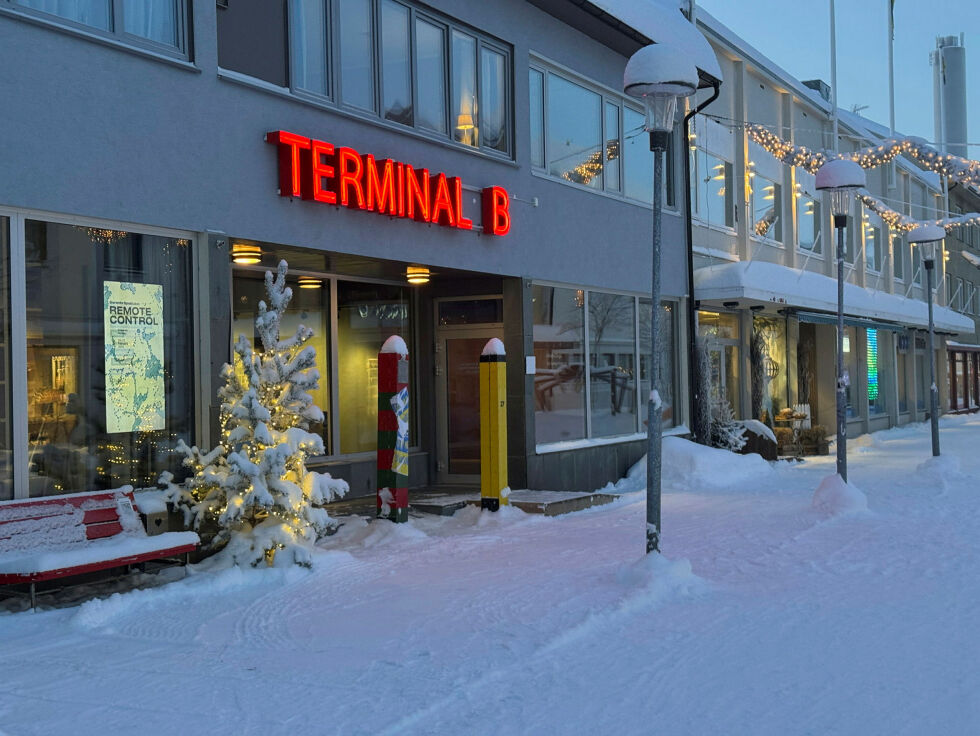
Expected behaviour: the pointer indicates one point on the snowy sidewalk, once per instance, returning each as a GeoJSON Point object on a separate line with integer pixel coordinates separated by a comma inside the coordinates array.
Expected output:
{"type": "Point", "coordinates": [763, 617]}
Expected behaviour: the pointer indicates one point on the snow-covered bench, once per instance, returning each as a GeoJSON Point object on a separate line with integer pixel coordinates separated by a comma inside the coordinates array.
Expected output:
{"type": "Point", "coordinates": [59, 536]}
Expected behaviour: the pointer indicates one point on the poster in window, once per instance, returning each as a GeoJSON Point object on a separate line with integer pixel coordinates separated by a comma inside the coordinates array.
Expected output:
{"type": "Point", "coordinates": [134, 390]}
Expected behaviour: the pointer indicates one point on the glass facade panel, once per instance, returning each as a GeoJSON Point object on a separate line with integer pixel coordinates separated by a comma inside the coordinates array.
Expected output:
{"type": "Point", "coordinates": [493, 100]}
{"type": "Point", "coordinates": [367, 315]}
{"type": "Point", "coordinates": [396, 63]}
{"type": "Point", "coordinates": [768, 354]}
{"type": "Point", "coordinates": [767, 208]}
{"type": "Point", "coordinates": [851, 377]}
{"type": "Point", "coordinates": [6, 434]}
{"type": "Point", "coordinates": [155, 20]}
{"type": "Point", "coordinates": [536, 86]}
{"type": "Point", "coordinates": [876, 373]}
{"type": "Point", "coordinates": [310, 306]}
{"type": "Point", "coordinates": [559, 351]}
{"type": "Point", "coordinates": [430, 61]}
{"type": "Point", "coordinates": [612, 349]}
{"type": "Point", "coordinates": [611, 159]}
{"type": "Point", "coordinates": [308, 37]}
{"type": "Point", "coordinates": [917, 266]}
{"type": "Point", "coordinates": [901, 374]}
{"type": "Point", "coordinates": [715, 195]}
{"type": "Point", "coordinates": [898, 256]}
{"type": "Point", "coordinates": [357, 53]}
{"type": "Point", "coordinates": [872, 247]}
{"type": "Point", "coordinates": [808, 224]}
{"type": "Point", "coordinates": [574, 132]}
{"type": "Point", "coordinates": [637, 158]}
{"type": "Point", "coordinates": [666, 357]}
{"type": "Point", "coordinates": [95, 13]}
{"type": "Point", "coordinates": [464, 109]}
{"type": "Point", "coordinates": [109, 365]}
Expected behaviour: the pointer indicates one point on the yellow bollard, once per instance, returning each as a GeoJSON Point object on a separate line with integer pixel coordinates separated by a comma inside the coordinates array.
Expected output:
{"type": "Point", "coordinates": [493, 426]}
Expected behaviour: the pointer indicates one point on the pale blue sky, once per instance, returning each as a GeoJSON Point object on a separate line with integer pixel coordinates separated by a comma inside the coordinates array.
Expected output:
{"type": "Point", "coordinates": [795, 34]}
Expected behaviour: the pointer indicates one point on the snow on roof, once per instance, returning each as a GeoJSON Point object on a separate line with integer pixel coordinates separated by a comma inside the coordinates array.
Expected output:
{"type": "Point", "coordinates": [662, 22]}
{"type": "Point", "coordinates": [770, 282]}
{"type": "Point", "coordinates": [971, 258]}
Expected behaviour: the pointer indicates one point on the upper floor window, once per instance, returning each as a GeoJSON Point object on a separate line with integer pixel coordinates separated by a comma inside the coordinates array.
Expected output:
{"type": "Point", "coordinates": [589, 136]}
{"type": "Point", "coordinates": [155, 23]}
{"type": "Point", "coordinates": [872, 245]}
{"type": "Point", "coordinates": [766, 198]}
{"type": "Point", "coordinates": [898, 256]}
{"type": "Point", "coordinates": [808, 223]}
{"type": "Point", "coordinates": [712, 189]}
{"type": "Point", "coordinates": [395, 61]}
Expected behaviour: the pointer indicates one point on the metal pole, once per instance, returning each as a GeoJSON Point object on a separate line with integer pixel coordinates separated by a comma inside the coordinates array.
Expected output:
{"type": "Point", "coordinates": [833, 73]}
{"type": "Point", "coordinates": [933, 389]}
{"type": "Point", "coordinates": [658, 144]}
{"type": "Point", "coordinates": [841, 390]}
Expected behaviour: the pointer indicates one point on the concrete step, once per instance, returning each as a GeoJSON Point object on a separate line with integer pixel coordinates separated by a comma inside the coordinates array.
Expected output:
{"type": "Point", "coordinates": [555, 503]}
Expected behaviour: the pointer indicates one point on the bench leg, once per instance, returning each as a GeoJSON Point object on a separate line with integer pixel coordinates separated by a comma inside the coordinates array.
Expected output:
{"type": "Point", "coordinates": [33, 597]}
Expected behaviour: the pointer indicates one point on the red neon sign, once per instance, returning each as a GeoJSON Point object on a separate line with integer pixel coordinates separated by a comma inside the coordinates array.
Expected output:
{"type": "Point", "coordinates": [316, 170]}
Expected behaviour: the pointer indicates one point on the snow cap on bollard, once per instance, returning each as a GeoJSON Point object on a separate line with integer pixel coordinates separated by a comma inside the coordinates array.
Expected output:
{"type": "Point", "coordinates": [395, 344]}
{"type": "Point", "coordinates": [494, 346]}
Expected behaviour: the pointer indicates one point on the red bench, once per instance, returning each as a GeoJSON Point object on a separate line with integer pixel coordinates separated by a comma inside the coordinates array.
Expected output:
{"type": "Point", "coordinates": [59, 536]}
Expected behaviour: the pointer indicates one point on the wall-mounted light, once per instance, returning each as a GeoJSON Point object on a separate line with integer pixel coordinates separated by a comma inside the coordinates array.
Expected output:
{"type": "Point", "coordinates": [245, 254]}
{"type": "Point", "coordinates": [310, 282]}
{"type": "Point", "coordinates": [417, 275]}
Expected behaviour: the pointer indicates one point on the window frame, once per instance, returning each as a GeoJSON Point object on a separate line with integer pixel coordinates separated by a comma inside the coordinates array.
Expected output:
{"type": "Point", "coordinates": [607, 96]}
{"type": "Point", "coordinates": [334, 97]}
{"type": "Point", "coordinates": [116, 33]}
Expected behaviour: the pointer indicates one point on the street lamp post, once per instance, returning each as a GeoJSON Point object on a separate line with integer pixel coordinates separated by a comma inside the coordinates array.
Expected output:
{"type": "Point", "coordinates": [927, 237]}
{"type": "Point", "coordinates": [657, 75]}
{"type": "Point", "coordinates": [841, 177]}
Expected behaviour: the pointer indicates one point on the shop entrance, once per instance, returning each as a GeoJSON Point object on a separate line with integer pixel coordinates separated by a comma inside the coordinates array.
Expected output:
{"type": "Point", "coordinates": [463, 326]}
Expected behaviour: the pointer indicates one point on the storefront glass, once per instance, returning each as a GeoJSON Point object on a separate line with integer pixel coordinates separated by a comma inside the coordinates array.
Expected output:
{"type": "Point", "coordinates": [878, 373]}
{"type": "Point", "coordinates": [851, 377]}
{"type": "Point", "coordinates": [768, 347]}
{"type": "Point", "coordinates": [721, 335]}
{"type": "Point", "coordinates": [901, 371]}
{"type": "Point", "coordinates": [6, 447]}
{"type": "Point", "coordinates": [109, 364]}
{"type": "Point", "coordinates": [310, 306]}
{"type": "Point", "coordinates": [559, 350]}
{"type": "Point", "coordinates": [367, 315]}
{"type": "Point", "coordinates": [612, 376]}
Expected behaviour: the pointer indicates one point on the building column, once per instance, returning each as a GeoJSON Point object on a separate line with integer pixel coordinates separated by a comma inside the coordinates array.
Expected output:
{"type": "Point", "coordinates": [519, 344]}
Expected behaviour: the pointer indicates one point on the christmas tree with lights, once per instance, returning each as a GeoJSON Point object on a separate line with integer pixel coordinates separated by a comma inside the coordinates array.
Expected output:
{"type": "Point", "coordinates": [252, 496]}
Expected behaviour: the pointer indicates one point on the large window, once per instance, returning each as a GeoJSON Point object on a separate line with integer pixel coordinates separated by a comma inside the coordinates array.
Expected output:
{"type": "Point", "coordinates": [712, 189]}
{"type": "Point", "coordinates": [6, 433]}
{"type": "Point", "coordinates": [154, 23]}
{"type": "Point", "coordinates": [405, 65]}
{"type": "Point", "coordinates": [109, 366]}
{"type": "Point", "coordinates": [876, 393]}
{"type": "Point", "coordinates": [808, 223]}
{"type": "Point", "coordinates": [766, 198]}
{"type": "Point", "coordinates": [588, 367]}
{"type": "Point", "coordinates": [898, 256]}
{"type": "Point", "coordinates": [584, 134]}
{"type": "Point", "coordinates": [872, 246]}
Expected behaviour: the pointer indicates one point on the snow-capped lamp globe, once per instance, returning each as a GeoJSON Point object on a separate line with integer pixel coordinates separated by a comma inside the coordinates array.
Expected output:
{"type": "Point", "coordinates": [927, 237]}
{"type": "Point", "coordinates": [657, 75]}
{"type": "Point", "coordinates": [841, 177]}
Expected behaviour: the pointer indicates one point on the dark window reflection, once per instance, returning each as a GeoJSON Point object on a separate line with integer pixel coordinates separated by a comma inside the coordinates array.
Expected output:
{"type": "Point", "coordinates": [396, 63]}
{"type": "Point", "coordinates": [357, 53]}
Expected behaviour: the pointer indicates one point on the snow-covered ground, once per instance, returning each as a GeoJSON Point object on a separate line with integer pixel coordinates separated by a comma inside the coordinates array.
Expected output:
{"type": "Point", "coordinates": [764, 616]}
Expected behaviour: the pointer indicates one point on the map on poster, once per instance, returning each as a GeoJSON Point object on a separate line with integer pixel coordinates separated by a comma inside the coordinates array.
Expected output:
{"type": "Point", "coordinates": [134, 394]}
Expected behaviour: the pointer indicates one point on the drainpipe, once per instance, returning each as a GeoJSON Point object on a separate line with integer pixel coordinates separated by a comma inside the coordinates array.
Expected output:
{"type": "Point", "coordinates": [691, 308]}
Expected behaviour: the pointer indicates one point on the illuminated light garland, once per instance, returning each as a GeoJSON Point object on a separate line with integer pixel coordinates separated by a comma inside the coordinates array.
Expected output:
{"type": "Point", "coordinates": [956, 168]}
{"type": "Point", "coordinates": [904, 223]}
{"type": "Point", "coordinates": [764, 223]}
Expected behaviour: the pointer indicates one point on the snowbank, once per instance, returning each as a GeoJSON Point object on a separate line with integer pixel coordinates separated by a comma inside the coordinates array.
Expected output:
{"type": "Point", "coordinates": [834, 497]}
{"type": "Point", "coordinates": [693, 467]}
{"type": "Point", "coordinates": [939, 472]}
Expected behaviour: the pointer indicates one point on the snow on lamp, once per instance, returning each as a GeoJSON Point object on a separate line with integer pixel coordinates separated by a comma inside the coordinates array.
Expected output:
{"type": "Point", "coordinates": [841, 177]}
{"type": "Point", "coordinates": [927, 237]}
{"type": "Point", "coordinates": [657, 75]}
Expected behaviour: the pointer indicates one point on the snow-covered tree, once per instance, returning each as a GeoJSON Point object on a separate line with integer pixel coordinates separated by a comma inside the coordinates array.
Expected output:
{"type": "Point", "coordinates": [726, 433]}
{"type": "Point", "coordinates": [252, 494]}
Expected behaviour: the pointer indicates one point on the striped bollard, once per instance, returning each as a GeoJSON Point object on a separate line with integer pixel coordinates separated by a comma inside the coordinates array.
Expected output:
{"type": "Point", "coordinates": [493, 426]}
{"type": "Point", "coordinates": [393, 430]}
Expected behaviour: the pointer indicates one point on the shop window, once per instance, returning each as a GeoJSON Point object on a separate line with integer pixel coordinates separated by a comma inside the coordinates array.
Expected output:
{"type": "Point", "coordinates": [592, 138]}
{"type": "Point", "coordinates": [665, 356]}
{"type": "Point", "coordinates": [612, 352]}
{"type": "Point", "coordinates": [766, 200]}
{"type": "Point", "coordinates": [109, 364]}
{"type": "Point", "coordinates": [559, 351]}
{"type": "Point", "coordinates": [409, 55]}
{"type": "Point", "coordinates": [876, 396]}
{"type": "Point", "coordinates": [712, 182]}
{"type": "Point", "coordinates": [768, 360]}
{"type": "Point", "coordinates": [310, 306]}
{"type": "Point", "coordinates": [720, 332]}
{"type": "Point", "coordinates": [6, 443]}
{"type": "Point", "coordinates": [367, 315]}
{"type": "Point", "coordinates": [154, 23]}
{"type": "Point", "coordinates": [851, 378]}
{"type": "Point", "coordinates": [901, 373]}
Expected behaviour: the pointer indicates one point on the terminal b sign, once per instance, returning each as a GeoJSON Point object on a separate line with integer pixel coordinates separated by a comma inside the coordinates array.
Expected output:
{"type": "Point", "coordinates": [321, 172]}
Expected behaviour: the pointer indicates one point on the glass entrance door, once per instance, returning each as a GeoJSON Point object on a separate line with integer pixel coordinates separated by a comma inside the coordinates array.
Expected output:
{"type": "Point", "coordinates": [458, 349]}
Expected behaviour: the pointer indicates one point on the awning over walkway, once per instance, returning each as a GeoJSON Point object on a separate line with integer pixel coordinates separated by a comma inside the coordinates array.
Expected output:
{"type": "Point", "coordinates": [759, 282]}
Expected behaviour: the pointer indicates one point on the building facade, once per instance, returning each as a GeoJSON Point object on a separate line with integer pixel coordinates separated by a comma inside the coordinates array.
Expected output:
{"type": "Point", "coordinates": [765, 251]}
{"type": "Point", "coordinates": [160, 157]}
